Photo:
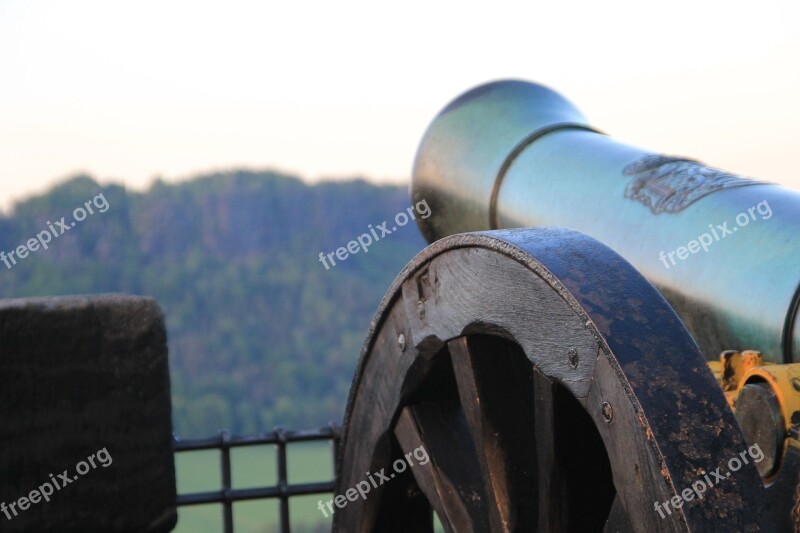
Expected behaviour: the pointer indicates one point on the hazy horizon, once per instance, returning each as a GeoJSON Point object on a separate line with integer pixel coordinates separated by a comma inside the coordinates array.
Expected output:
{"type": "Point", "coordinates": [5, 208]}
{"type": "Point", "coordinates": [127, 91]}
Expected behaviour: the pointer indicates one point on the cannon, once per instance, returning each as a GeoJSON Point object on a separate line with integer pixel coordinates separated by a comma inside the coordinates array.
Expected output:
{"type": "Point", "coordinates": [598, 338]}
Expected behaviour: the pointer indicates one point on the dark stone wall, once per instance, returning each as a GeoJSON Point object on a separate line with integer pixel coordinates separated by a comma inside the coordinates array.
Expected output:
{"type": "Point", "coordinates": [79, 375]}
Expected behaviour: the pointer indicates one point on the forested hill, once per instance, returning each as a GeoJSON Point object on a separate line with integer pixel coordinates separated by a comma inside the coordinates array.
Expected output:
{"type": "Point", "coordinates": [260, 333]}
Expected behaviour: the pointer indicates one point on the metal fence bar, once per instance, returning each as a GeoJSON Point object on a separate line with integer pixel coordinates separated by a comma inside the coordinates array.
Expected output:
{"type": "Point", "coordinates": [261, 493]}
{"type": "Point", "coordinates": [212, 443]}
{"type": "Point", "coordinates": [283, 481]}
{"type": "Point", "coordinates": [227, 505]}
{"type": "Point", "coordinates": [227, 495]}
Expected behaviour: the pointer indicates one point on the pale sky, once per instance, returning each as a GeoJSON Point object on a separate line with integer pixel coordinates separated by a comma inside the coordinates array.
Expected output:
{"type": "Point", "coordinates": [130, 90]}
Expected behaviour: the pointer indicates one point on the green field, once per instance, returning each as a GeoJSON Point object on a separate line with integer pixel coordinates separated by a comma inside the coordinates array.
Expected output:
{"type": "Point", "coordinates": [254, 466]}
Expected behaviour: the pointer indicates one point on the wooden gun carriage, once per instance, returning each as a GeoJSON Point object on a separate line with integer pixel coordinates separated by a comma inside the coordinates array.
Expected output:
{"type": "Point", "coordinates": [560, 375]}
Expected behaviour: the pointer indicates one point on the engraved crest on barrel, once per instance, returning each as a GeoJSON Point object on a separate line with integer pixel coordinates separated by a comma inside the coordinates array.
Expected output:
{"type": "Point", "coordinates": [669, 184]}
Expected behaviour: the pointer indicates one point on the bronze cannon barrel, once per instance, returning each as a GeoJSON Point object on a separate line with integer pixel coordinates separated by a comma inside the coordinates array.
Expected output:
{"type": "Point", "coordinates": [721, 248]}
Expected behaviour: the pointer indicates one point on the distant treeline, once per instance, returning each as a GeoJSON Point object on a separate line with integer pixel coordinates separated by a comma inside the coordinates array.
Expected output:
{"type": "Point", "coordinates": [260, 334]}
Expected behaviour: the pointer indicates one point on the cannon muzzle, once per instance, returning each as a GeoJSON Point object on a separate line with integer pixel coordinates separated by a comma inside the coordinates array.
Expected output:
{"type": "Point", "coordinates": [722, 249]}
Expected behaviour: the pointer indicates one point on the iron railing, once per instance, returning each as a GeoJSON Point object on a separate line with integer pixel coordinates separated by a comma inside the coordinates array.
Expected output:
{"type": "Point", "coordinates": [227, 495]}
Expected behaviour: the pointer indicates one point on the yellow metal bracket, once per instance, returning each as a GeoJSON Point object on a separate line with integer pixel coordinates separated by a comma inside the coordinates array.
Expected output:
{"type": "Point", "coordinates": [736, 370]}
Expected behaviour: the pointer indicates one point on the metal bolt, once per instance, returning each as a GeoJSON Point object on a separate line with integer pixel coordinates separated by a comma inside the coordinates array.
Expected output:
{"type": "Point", "coordinates": [608, 412]}
{"type": "Point", "coordinates": [572, 358]}
{"type": "Point", "coordinates": [401, 342]}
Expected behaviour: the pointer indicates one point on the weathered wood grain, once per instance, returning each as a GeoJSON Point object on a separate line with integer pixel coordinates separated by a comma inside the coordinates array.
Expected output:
{"type": "Point", "coordinates": [617, 387]}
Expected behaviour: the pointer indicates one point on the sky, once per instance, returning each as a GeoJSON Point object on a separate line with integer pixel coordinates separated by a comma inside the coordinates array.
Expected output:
{"type": "Point", "coordinates": [129, 91]}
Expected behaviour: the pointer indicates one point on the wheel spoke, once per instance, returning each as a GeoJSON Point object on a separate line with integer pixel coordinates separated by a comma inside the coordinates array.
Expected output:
{"type": "Point", "coordinates": [491, 376]}
{"type": "Point", "coordinates": [618, 521]}
{"type": "Point", "coordinates": [450, 480]}
{"type": "Point", "coordinates": [552, 485]}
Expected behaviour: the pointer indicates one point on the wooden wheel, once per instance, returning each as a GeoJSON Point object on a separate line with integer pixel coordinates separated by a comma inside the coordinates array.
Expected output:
{"type": "Point", "coordinates": [550, 386]}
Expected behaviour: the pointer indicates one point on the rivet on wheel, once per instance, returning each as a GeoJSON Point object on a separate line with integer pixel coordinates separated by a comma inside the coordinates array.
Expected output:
{"type": "Point", "coordinates": [572, 358]}
{"type": "Point", "coordinates": [401, 342]}
{"type": "Point", "coordinates": [608, 412]}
